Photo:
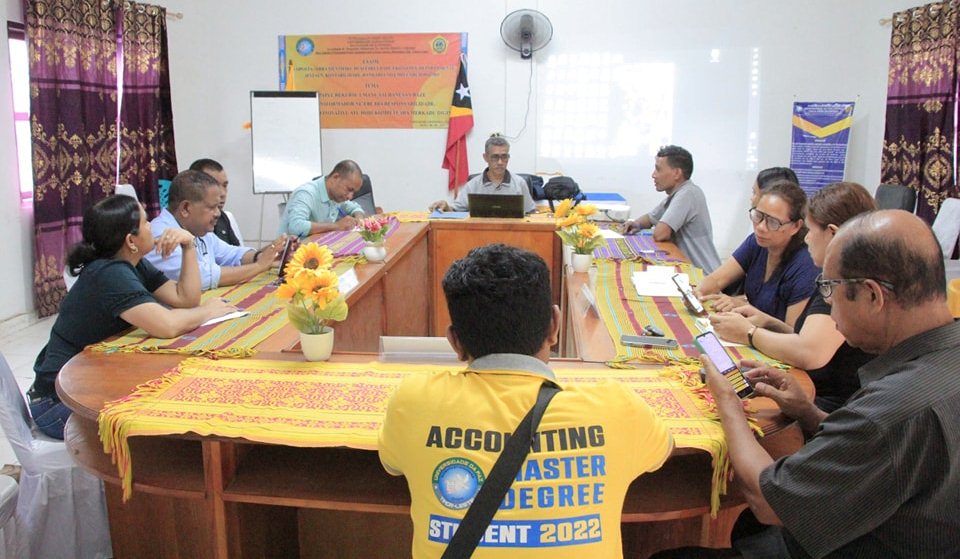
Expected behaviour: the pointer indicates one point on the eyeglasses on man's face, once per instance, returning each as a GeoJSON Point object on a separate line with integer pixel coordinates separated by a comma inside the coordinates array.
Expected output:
{"type": "Point", "coordinates": [773, 223]}
{"type": "Point", "coordinates": [499, 156]}
{"type": "Point", "coordinates": [826, 285]}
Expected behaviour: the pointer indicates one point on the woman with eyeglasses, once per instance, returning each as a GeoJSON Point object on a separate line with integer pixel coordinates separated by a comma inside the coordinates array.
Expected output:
{"type": "Point", "coordinates": [814, 343]}
{"type": "Point", "coordinates": [769, 176]}
{"type": "Point", "coordinates": [773, 262]}
{"type": "Point", "coordinates": [117, 288]}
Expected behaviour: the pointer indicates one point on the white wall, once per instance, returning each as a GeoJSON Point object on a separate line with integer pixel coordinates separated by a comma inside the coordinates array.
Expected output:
{"type": "Point", "coordinates": [817, 50]}
{"type": "Point", "coordinates": [16, 273]}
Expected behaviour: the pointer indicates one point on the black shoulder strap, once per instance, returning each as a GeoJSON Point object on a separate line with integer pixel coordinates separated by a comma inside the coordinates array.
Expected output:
{"type": "Point", "coordinates": [491, 494]}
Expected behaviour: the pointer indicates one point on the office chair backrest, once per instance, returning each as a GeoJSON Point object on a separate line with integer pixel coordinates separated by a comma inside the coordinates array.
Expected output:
{"type": "Point", "coordinates": [535, 185]}
{"type": "Point", "coordinates": [947, 225]}
{"type": "Point", "coordinates": [364, 196]}
{"type": "Point", "coordinates": [896, 197]}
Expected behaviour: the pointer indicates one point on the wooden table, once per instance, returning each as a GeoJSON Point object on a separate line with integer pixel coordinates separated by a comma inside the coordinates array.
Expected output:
{"type": "Point", "coordinates": [392, 298]}
{"type": "Point", "coordinates": [451, 240]}
{"type": "Point", "coordinates": [216, 497]}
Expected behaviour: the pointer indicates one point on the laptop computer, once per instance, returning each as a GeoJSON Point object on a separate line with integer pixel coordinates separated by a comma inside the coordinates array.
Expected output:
{"type": "Point", "coordinates": [495, 205]}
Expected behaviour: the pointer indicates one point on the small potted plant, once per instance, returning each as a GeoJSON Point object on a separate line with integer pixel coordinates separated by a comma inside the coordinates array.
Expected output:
{"type": "Point", "coordinates": [577, 233]}
{"type": "Point", "coordinates": [312, 291]}
{"type": "Point", "coordinates": [373, 230]}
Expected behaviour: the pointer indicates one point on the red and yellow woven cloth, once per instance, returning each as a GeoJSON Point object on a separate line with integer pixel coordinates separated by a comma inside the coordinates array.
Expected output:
{"type": "Point", "coordinates": [623, 311]}
{"type": "Point", "coordinates": [344, 244]}
{"type": "Point", "coordinates": [337, 404]}
{"type": "Point", "coordinates": [236, 337]}
{"type": "Point", "coordinates": [231, 338]}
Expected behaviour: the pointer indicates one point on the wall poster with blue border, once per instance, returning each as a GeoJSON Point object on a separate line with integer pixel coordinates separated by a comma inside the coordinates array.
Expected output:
{"type": "Point", "coordinates": [818, 150]}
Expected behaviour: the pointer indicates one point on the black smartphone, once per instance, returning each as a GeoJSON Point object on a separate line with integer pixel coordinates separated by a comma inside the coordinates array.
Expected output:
{"type": "Point", "coordinates": [289, 246]}
{"type": "Point", "coordinates": [652, 341]}
{"type": "Point", "coordinates": [710, 345]}
{"type": "Point", "coordinates": [689, 299]}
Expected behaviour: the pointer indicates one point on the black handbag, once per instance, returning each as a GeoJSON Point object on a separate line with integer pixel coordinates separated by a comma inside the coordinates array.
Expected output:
{"type": "Point", "coordinates": [561, 188]}
{"type": "Point", "coordinates": [488, 499]}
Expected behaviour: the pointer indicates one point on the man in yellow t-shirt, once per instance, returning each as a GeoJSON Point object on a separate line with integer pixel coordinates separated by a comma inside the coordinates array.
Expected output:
{"type": "Point", "coordinates": [445, 431]}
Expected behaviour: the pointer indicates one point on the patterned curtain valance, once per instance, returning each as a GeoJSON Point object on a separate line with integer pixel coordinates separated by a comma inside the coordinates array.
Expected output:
{"type": "Point", "coordinates": [920, 133]}
{"type": "Point", "coordinates": [74, 99]}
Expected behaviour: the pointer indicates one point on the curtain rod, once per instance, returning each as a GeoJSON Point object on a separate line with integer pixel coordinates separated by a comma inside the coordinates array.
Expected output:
{"type": "Point", "coordinates": [933, 9]}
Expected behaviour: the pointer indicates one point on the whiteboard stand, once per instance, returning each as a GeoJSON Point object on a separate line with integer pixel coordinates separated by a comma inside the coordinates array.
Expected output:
{"type": "Point", "coordinates": [285, 141]}
{"type": "Point", "coordinates": [263, 198]}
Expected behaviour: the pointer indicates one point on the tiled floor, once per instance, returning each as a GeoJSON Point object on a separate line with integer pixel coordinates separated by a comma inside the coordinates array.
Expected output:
{"type": "Point", "coordinates": [20, 348]}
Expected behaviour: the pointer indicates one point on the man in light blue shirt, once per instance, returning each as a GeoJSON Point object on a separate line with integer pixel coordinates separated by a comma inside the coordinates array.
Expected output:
{"type": "Point", "coordinates": [194, 205]}
{"type": "Point", "coordinates": [323, 204]}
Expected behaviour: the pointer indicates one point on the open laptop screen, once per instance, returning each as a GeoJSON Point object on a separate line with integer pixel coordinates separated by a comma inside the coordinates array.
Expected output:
{"type": "Point", "coordinates": [495, 205]}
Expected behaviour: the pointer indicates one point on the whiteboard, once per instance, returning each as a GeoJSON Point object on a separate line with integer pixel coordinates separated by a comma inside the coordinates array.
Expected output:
{"type": "Point", "coordinates": [285, 136]}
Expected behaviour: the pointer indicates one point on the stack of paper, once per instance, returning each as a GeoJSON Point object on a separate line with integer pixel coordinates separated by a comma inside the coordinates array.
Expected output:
{"type": "Point", "coordinates": [657, 281]}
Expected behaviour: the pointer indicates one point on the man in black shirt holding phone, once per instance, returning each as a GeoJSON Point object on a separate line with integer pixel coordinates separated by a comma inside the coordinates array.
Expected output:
{"type": "Point", "coordinates": [881, 476]}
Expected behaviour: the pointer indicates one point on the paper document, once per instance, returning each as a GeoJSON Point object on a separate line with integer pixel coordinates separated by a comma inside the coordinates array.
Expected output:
{"type": "Point", "coordinates": [656, 281]}
{"type": "Point", "coordinates": [234, 314]}
{"type": "Point", "coordinates": [437, 214]}
{"type": "Point", "coordinates": [610, 234]}
{"type": "Point", "coordinates": [348, 281]}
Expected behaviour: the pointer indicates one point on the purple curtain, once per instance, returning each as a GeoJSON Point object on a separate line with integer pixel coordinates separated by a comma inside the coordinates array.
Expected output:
{"type": "Point", "coordinates": [146, 117]}
{"type": "Point", "coordinates": [73, 113]}
{"type": "Point", "coordinates": [919, 139]}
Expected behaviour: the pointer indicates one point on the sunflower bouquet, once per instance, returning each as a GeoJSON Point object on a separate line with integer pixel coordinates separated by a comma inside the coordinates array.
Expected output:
{"type": "Point", "coordinates": [312, 290]}
{"type": "Point", "coordinates": [575, 229]}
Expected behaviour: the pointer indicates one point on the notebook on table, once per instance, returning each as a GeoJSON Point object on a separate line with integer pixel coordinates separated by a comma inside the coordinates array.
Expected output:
{"type": "Point", "coordinates": [495, 205]}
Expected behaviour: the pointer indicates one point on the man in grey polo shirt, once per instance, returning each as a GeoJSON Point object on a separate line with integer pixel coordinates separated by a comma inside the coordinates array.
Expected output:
{"type": "Point", "coordinates": [683, 217]}
{"type": "Point", "coordinates": [881, 477]}
{"type": "Point", "coordinates": [495, 179]}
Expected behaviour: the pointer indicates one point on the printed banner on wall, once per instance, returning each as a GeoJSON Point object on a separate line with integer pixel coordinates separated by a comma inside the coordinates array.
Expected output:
{"type": "Point", "coordinates": [818, 152]}
{"type": "Point", "coordinates": [402, 80]}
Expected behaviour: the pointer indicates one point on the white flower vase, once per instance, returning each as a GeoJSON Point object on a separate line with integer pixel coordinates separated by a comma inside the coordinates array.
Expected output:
{"type": "Point", "coordinates": [374, 252]}
{"type": "Point", "coordinates": [582, 262]}
{"type": "Point", "coordinates": [567, 255]}
{"type": "Point", "coordinates": [317, 347]}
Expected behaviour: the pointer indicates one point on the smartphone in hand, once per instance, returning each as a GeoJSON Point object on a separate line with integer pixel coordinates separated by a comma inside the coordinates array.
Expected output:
{"type": "Point", "coordinates": [710, 345]}
{"type": "Point", "coordinates": [289, 247]}
{"type": "Point", "coordinates": [689, 299]}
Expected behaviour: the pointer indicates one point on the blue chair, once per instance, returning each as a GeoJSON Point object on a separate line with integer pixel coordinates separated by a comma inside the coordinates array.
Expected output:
{"type": "Point", "coordinates": [163, 189]}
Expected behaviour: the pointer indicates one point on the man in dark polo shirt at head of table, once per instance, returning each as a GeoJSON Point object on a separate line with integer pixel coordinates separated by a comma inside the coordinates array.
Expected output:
{"type": "Point", "coordinates": [495, 179]}
{"type": "Point", "coordinates": [881, 477]}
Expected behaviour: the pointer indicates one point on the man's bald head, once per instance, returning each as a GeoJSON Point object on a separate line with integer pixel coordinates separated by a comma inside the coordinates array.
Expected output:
{"type": "Point", "coordinates": [894, 246]}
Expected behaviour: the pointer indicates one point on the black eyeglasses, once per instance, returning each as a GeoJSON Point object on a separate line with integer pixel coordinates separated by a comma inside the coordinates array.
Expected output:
{"type": "Point", "coordinates": [773, 223]}
{"type": "Point", "coordinates": [499, 156]}
{"type": "Point", "coordinates": [826, 285]}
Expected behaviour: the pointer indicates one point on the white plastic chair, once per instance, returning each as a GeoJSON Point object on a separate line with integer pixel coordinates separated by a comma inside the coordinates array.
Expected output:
{"type": "Point", "coordinates": [61, 511]}
{"type": "Point", "coordinates": [68, 278]}
{"type": "Point", "coordinates": [127, 190]}
{"type": "Point", "coordinates": [8, 505]}
{"type": "Point", "coordinates": [946, 226]}
{"type": "Point", "coordinates": [234, 225]}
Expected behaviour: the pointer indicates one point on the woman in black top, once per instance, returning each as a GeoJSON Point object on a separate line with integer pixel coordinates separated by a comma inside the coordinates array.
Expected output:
{"type": "Point", "coordinates": [814, 343]}
{"type": "Point", "coordinates": [117, 289]}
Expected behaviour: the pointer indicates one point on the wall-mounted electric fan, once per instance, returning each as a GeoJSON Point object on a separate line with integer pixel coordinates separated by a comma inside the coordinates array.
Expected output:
{"type": "Point", "coordinates": [526, 31]}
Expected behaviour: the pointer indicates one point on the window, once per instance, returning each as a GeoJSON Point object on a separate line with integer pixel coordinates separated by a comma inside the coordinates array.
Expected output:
{"type": "Point", "coordinates": [20, 78]}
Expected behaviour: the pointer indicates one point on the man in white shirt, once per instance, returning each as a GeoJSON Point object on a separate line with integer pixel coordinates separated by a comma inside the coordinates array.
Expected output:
{"type": "Point", "coordinates": [194, 205]}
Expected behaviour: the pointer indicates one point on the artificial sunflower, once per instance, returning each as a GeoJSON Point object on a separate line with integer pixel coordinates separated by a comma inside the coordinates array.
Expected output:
{"type": "Point", "coordinates": [310, 256]}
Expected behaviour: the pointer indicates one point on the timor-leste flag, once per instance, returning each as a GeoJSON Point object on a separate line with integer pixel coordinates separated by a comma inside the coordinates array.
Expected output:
{"type": "Point", "coordinates": [461, 121]}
